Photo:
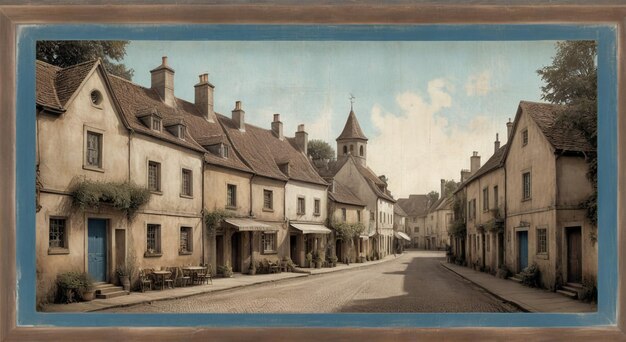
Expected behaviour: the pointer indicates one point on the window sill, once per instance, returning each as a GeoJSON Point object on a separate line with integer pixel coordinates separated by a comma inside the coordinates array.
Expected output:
{"type": "Point", "coordinates": [230, 207]}
{"type": "Point", "coordinates": [156, 192]}
{"type": "Point", "coordinates": [543, 256]}
{"type": "Point", "coordinates": [268, 252]}
{"type": "Point", "coordinates": [186, 196]}
{"type": "Point", "coordinates": [299, 213]}
{"type": "Point", "coordinates": [268, 210]}
{"type": "Point", "coordinates": [152, 255]}
{"type": "Point", "coordinates": [526, 199]}
{"type": "Point", "coordinates": [58, 251]}
{"type": "Point", "coordinates": [93, 168]}
{"type": "Point", "coordinates": [317, 214]}
{"type": "Point", "coordinates": [185, 253]}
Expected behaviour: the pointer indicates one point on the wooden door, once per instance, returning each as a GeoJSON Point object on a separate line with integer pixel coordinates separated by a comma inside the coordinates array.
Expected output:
{"type": "Point", "coordinates": [574, 255]}
{"type": "Point", "coordinates": [522, 249]}
{"type": "Point", "coordinates": [97, 249]}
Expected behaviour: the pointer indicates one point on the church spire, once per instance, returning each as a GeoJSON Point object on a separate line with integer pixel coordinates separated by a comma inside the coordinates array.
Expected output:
{"type": "Point", "coordinates": [352, 141]}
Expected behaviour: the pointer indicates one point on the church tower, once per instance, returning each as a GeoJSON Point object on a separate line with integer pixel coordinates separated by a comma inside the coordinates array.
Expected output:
{"type": "Point", "coordinates": [352, 141]}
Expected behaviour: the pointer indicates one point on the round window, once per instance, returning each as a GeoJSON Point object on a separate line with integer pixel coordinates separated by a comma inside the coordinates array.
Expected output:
{"type": "Point", "coordinates": [96, 97]}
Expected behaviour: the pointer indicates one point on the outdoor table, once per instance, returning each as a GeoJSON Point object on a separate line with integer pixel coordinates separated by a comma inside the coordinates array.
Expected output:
{"type": "Point", "coordinates": [162, 274]}
{"type": "Point", "coordinates": [194, 271]}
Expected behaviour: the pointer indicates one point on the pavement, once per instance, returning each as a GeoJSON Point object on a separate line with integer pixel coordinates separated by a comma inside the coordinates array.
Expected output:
{"type": "Point", "coordinates": [526, 298]}
{"type": "Point", "coordinates": [238, 280]}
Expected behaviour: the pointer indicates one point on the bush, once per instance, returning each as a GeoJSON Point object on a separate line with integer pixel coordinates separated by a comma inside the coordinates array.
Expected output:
{"type": "Point", "coordinates": [225, 270]}
{"type": "Point", "coordinates": [503, 272]}
{"type": "Point", "coordinates": [589, 292]}
{"type": "Point", "coordinates": [71, 285]}
{"type": "Point", "coordinates": [123, 196]}
{"type": "Point", "coordinates": [531, 275]}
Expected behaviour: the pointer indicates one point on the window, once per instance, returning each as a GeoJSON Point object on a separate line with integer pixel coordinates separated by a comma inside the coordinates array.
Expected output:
{"type": "Point", "coordinates": [417, 229]}
{"type": "Point", "coordinates": [351, 149]}
{"type": "Point", "coordinates": [526, 186]}
{"type": "Point", "coordinates": [268, 200]}
{"type": "Point", "coordinates": [372, 218]}
{"type": "Point", "coordinates": [226, 151]}
{"type": "Point", "coordinates": [415, 219]}
{"type": "Point", "coordinates": [268, 242]}
{"type": "Point", "coordinates": [96, 97]}
{"type": "Point", "coordinates": [153, 239]}
{"type": "Point", "coordinates": [487, 244]}
{"type": "Point", "coordinates": [154, 176]}
{"type": "Point", "coordinates": [156, 124]}
{"type": "Point", "coordinates": [525, 137]}
{"type": "Point", "coordinates": [345, 150]}
{"type": "Point", "coordinates": [301, 206]}
{"type": "Point", "coordinates": [316, 207]}
{"type": "Point", "coordinates": [186, 238]}
{"type": "Point", "coordinates": [187, 183]}
{"type": "Point", "coordinates": [485, 199]}
{"type": "Point", "coordinates": [231, 196]}
{"type": "Point", "coordinates": [495, 197]}
{"type": "Point", "coordinates": [343, 214]}
{"type": "Point", "coordinates": [94, 149]}
{"type": "Point", "coordinates": [182, 132]}
{"type": "Point", "coordinates": [542, 241]}
{"type": "Point", "coordinates": [361, 151]}
{"type": "Point", "coordinates": [57, 233]}
{"type": "Point", "coordinates": [358, 215]}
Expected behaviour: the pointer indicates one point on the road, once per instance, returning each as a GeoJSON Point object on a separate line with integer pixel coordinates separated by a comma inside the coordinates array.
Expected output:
{"type": "Point", "coordinates": [414, 282]}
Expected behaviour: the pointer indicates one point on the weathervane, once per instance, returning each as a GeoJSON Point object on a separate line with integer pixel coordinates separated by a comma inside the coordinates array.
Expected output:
{"type": "Point", "coordinates": [352, 98]}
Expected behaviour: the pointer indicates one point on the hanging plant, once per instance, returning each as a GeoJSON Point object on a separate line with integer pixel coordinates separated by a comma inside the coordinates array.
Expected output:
{"type": "Point", "coordinates": [214, 219]}
{"type": "Point", "coordinates": [124, 196]}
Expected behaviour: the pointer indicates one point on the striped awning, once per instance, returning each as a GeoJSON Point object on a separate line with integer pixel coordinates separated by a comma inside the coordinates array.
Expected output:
{"type": "Point", "coordinates": [248, 225]}
{"type": "Point", "coordinates": [401, 235]}
{"type": "Point", "coordinates": [311, 228]}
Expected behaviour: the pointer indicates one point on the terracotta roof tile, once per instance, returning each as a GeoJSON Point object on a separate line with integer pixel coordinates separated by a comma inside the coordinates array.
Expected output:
{"type": "Point", "coordinates": [415, 205]}
{"type": "Point", "coordinates": [397, 209]}
{"type": "Point", "coordinates": [45, 90]}
{"type": "Point", "coordinates": [69, 79]}
{"type": "Point", "coordinates": [342, 194]}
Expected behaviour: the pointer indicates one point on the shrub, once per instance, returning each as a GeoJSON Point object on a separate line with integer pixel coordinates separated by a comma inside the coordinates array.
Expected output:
{"type": "Point", "coordinates": [214, 218]}
{"type": "Point", "coordinates": [589, 292]}
{"type": "Point", "coordinates": [122, 196]}
{"type": "Point", "coordinates": [225, 270]}
{"type": "Point", "coordinates": [531, 275]}
{"type": "Point", "coordinates": [71, 285]}
{"type": "Point", "coordinates": [503, 272]}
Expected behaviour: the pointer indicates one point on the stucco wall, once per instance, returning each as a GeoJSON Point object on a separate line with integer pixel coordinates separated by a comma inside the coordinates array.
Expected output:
{"type": "Point", "coordinates": [310, 192]}
{"type": "Point", "coordinates": [278, 188]}
{"type": "Point", "coordinates": [216, 180]}
{"type": "Point", "coordinates": [573, 187]}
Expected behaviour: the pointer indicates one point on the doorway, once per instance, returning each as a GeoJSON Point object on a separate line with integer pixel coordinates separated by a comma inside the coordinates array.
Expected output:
{"type": "Point", "coordinates": [293, 247]}
{"type": "Point", "coordinates": [235, 247]}
{"type": "Point", "coordinates": [97, 249]}
{"type": "Point", "coordinates": [522, 249]}
{"type": "Point", "coordinates": [574, 255]}
{"type": "Point", "coordinates": [219, 251]}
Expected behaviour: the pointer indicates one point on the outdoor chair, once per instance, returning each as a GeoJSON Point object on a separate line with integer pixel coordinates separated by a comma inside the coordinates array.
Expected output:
{"type": "Point", "coordinates": [144, 280]}
{"type": "Point", "coordinates": [273, 267]}
{"type": "Point", "coordinates": [182, 277]}
{"type": "Point", "coordinates": [205, 276]}
{"type": "Point", "coordinates": [169, 280]}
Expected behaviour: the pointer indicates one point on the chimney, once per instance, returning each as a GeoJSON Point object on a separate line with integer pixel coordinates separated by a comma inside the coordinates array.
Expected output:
{"type": "Point", "coordinates": [239, 117]}
{"type": "Point", "coordinates": [277, 127]}
{"type": "Point", "coordinates": [496, 144]}
{"type": "Point", "coordinates": [509, 128]}
{"type": "Point", "coordinates": [332, 185]}
{"type": "Point", "coordinates": [162, 81]}
{"type": "Point", "coordinates": [302, 139]}
{"type": "Point", "coordinates": [204, 97]}
{"type": "Point", "coordinates": [474, 162]}
{"type": "Point", "coordinates": [443, 188]}
{"type": "Point", "coordinates": [465, 174]}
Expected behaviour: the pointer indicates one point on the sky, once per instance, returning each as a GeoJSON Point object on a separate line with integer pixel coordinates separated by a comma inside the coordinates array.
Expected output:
{"type": "Point", "coordinates": [424, 106]}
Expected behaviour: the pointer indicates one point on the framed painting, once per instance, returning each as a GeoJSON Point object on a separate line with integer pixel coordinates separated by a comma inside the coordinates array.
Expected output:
{"type": "Point", "coordinates": [351, 200]}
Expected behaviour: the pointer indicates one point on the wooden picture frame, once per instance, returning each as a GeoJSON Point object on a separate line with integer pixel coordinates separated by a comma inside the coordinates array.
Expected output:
{"type": "Point", "coordinates": [13, 16]}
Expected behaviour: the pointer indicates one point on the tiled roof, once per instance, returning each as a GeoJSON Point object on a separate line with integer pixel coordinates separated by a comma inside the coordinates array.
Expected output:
{"type": "Point", "coordinates": [415, 205]}
{"type": "Point", "coordinates": [342, 194]}
{"type": "Point", "coordinates": [263, 152]}
{"type": "Point", "coordinates": [562, 137]}
{"type": "Point", "coordinates": [45, 89]}
{"type": "Point", "coordinates": [442, 203]}
{"type": "Point", "coordinates": [397, 209]}
{"type": "Point", "coordinates": [494, 162]}
{"type": "Point", "coordinates": [352, 129]}
{"type": "Point", "coordinates": [69, 79]}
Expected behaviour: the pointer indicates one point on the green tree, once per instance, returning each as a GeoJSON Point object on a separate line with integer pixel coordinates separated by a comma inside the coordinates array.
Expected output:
{"type": "Point", "coordinates": [449, 187]}
{"type": "Point", "coordinates": [320, 150]}
{"type": "Point", "coordinates": [571, 80]}
{"type": "Point", "coordinates": [71, 52]}
{"type": "Point", "coordinates": [433, 196]}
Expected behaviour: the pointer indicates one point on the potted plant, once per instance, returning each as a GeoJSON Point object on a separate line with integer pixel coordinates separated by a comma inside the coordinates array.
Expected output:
{"type": "Point", "coordinates": [333, 261]}
{"type": "Point", "coordinates": [309, 259]}
{"type": "Point", "coordinates": [74, 286]}
{"type": "Point", "coordinates": [362, 259]}
{"type": "Point", "coordinates": [318, 260]}
{"type": "Point", "coordinates": [252, 269]}
{"type": "Point", "coordinates": [226, 271]}
{"type": "Point", "coordinates": [127, 270]}
{"type": "Point", "coordinates": [87, 291]}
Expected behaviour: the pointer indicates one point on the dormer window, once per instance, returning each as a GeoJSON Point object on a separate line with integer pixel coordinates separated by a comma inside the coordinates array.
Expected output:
{"type": "Point", "coordinates": [156, 123]}
{"type": "Point", "coordinates": [225, 151]}
{"type": "Point", "coordinates": [182, 131]}
{"type": "Point", "coordinates": [178, 129]}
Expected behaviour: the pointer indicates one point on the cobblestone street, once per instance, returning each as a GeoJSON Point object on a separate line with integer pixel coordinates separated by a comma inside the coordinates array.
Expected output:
{"type": "Point", "coordinates": [414, 282]}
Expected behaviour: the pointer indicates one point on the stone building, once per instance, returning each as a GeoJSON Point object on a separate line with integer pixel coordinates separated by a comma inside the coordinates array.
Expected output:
{"type": "Point", "coordinates": [438, 221]}
{"type": "Point", "coordinates": [345, 207]}
{"type": "Point", "coordinates": [416, 207]}
{"type": "Point", "coordinates": [546, 183]}
{"type": "Point", "coordinates": [400, 227]}
{"type": "Point", "coordinates": [351, 170]}
{"type": "Point", "coordinates": [111, 137]}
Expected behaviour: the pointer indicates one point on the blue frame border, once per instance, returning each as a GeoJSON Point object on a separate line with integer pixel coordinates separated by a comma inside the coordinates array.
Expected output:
{"type": "Point", "coordinates": [605, 35]}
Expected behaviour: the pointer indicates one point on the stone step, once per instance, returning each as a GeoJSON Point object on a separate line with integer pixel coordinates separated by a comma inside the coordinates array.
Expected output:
{"type": "Point", "coordinates": [571, 288]}
{"type": "Point", "coordinates": [111, 294]}
{"type": "Point", "coordinates": [572, 295]}
{"type": "Point", "coordinates": [516, 278]}
{"type": "Point", "coordinates": [575, 285]}
{"type": "Point", "coordinates": [109, 289]}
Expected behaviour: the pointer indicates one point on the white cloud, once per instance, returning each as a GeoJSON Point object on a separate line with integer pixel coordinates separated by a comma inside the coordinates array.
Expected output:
{"type": "Point", "coordinates": [418, 146]}
{"type": "Point", "coordinates": [478, 84]}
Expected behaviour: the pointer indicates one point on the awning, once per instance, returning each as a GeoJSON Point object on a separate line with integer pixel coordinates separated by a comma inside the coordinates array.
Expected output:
{"type": "Point", "coordinates": [247, 225]}
{"type": "Point", "coordinates": [311, 228]}
{"type": "Point", "coordinates": [401, 235]}
{"type": "Point", "coordinates": [368, 234]}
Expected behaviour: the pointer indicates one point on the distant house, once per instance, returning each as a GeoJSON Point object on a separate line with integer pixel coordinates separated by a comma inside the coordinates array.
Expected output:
{"type": "Point", "coordinates": [345, 207]}
{"type": "Point", "coordinates": [399, 227]}
{"type": "Point", "coordinates": [351, 170]}
{"type": "Point", "coordinates": [546, 183]}
{"type": "Point", "coordinates": [416, 208]}
{"type": "Point", "coordinates": [438, 221]}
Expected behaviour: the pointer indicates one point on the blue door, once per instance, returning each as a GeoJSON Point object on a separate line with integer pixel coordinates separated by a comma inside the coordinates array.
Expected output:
{"type": "Point", "coordinates": [522, 238]}
{"type": "Point", "coordinates": [97, 249]}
